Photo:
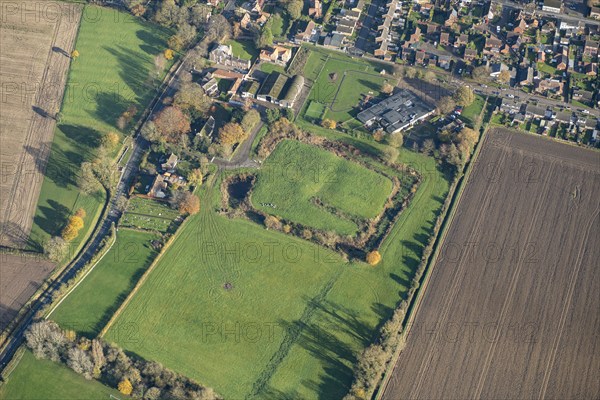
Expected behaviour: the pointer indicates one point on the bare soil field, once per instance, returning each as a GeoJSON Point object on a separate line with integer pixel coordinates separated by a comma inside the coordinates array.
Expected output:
{"type": "Point", "coordinates": [20, 277]}
{"type": "Point", "coordinates": [511, 310]}
{"type": "Point", "coordinates": [36, 39]}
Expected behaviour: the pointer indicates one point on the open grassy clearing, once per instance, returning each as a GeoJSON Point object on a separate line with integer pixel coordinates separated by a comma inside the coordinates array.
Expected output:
{"type": "Point", "coordinates": [244, 49]}
{"type": "Point", "coordinates": [89, 307]}
{"type": "Point", "coordinates": [149, 214]}
{"type": "Point", "coordinates": [296, 173]}
{"type": "Point", "coordinates": [284, 325]}
{"type": "Point", "coordinates": [125, 47]}
{"type": "Point", "coordinates": [44, 379]}
{"type": "Point", "coordinates": [34, 59]}
{"type": "Point", "coordinates": [469, 114]}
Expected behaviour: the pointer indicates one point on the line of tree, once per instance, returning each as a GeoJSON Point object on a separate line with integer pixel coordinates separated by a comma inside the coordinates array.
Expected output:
{"type": "Point", "coordinates": [109, 364]}
{"type": "Point", "coordinates": [374, 360]}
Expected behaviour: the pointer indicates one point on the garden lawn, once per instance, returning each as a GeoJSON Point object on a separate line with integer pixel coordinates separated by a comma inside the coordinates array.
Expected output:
{"type": "Point", "coordinates": [112, 72]}
{"type": "Point", "coordinates": [252, 312]}
{"type": "Point", "coordinates": [44, 379]}
{"type": "Point", "coordinates": [296, 173]}
{"type": "Point", "coordinates": [89, 307]}
{"type": "Point", "coordinates": [469, 114]}
{"type": "Point", "coordinates": [244, 49]}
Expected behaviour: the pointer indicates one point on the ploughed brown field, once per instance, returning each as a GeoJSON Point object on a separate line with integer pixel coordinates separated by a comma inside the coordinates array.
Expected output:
{"type": "Point", "coordinates": [20, 277]}
{"type": "Point", "coordinates": [36, 38]}
{"type": "Point", "coordinates": [512, 308]}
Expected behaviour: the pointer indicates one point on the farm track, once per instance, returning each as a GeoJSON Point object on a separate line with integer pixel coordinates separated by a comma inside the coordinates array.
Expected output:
{"type": "Point", "coordinates": [511, 298]}
{"type": "Point", "coordinates": [28, 158]}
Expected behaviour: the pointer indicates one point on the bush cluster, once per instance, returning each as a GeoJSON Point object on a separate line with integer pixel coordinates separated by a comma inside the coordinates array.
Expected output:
{"type": "Point", "coordinates": [96, 359]}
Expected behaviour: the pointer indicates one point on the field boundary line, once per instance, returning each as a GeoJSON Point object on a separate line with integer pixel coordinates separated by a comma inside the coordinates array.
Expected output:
{"type": "Point", "coordinates": [104, 252]}
{"type": "Point", "coordinates": [416, 302]}
{"type": "Point", "coordinates": [143, 278]}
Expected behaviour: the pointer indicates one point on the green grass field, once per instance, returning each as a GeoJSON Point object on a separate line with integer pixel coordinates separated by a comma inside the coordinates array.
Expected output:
{"type": "Point", "coordinates": [143, 213]}
{"type": "Point", "coordinates": [112, 72]}
{"type": "Point", "coordinates": [89, 307]}
{"type": "Point", "coordinates": [295, 173]}
{"type": "Point", "coordinates": [44, 379]}
{"type": "Point", "coordinates": [469, 114]}
{"type": "Point", "coordinates": [315, 110]}
{"type": "Point", "coordinates": [294, 315]}
{"type": "Point", "coordinates": [244, 49]}
{"type": "Point", "coordinates": [340, 82]}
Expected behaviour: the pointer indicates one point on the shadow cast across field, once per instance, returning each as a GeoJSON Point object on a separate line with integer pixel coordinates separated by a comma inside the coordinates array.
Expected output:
{"type": "Point", "coordinates": [110, 311]}
{"type": "Point", "coordinates": [134, 72]}
{"type": "Point", "coordinates": [52, 218]}
{"type": "Point", "coordinates": [153, 44]}
{"type": "Point", "coordinates": [109, 107]}
{"type": "Point", "coordinates": [321, 341]}
{"type": "Point", "coordinates": [15, 234]}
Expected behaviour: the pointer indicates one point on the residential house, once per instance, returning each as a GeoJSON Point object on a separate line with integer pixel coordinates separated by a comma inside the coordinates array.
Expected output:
{"type": "Point", "coordinates": [470, 55]}
{"type": "Point", "coordinates": [444, 62]}
{"type": "Point", "coordinates": [170, 164]}
{"type": "Point", "coordinates": [553, 6]}
{"type": "Point", "coordinates": [595, 13]}
{"type": "Point", "coordinates": [316, 9]}
{"type": "Point", "coordinates": [276, 54]}
{"type": "Point", "coordinates": [306, 30]}
{"type": "Point", "coordinates": [421, 58]}
{"type": "Point", "coordinates": [452, 18]}
{"type": "Point", "coordinates": [334, 40]}
{"type": "Point", "coordinates": [431, 28]}
{"type": "Point", "coordinates": [211, 86]}
{"type": "Point", "coordinates": [583, 96]}
{"type": "Point", "coordinates": [493, 45]}
{"type": "Point", "coordinates": [462, 40]}
{"type": "Point", "coordinates": [496, 68]}
{"type": "Point", "coordinates": [549, 86]}
{"type": "Point", "coordinates": [415, 37]}
{"type": "Point", "coordinates": [245, 22]}
{"type": "Point", "coordinates": [591, 69]}
{"type": "Point", "coordinates": [158, 188]}
{"type": "Point", "coordinates": [591, 48]}
{"type": "Point", "coordinates": [223, 55]}
{"type": "Point", "coordinates": [214, 3]}
{"type": "Point", "coordinates": [445, 39]}
{"type": "Point", "coordinates": [522, 27]}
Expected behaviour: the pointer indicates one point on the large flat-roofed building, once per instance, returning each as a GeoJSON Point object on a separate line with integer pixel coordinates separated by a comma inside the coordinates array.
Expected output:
{"type": "Point", "coordinates": [398, 112]}
{"type": "Point", "coordinates": [552, 6]}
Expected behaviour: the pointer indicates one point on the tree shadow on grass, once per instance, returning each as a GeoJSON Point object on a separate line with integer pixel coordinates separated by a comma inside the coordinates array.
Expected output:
{"type": "Point", "coordinates": [134, 70]}
{"type": "Point", "coordinates": [52, 218]}
{"type": "Point", "coordinates": [153, 43]}
{"type": "Point", "coordinates": [110, 106]}
{"type": "Point", "coordinates": [109, 312]}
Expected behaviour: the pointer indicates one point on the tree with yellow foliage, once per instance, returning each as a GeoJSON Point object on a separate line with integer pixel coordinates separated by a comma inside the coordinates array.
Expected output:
{"type": "Point", "coordinates": [373, 257]}
{"type": "Point", "coordinates": [110, 140]}
{"type": "Point", "coordinates": [125, 387]}
{"type": "Point", "coordinates": [169, 54]}
{"type": "Point", "coordinates": [71, 230]}
{"type": "Point", "coordinates": [328, 123]}
{"type": "Point", "coordinates": [74, 54]}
